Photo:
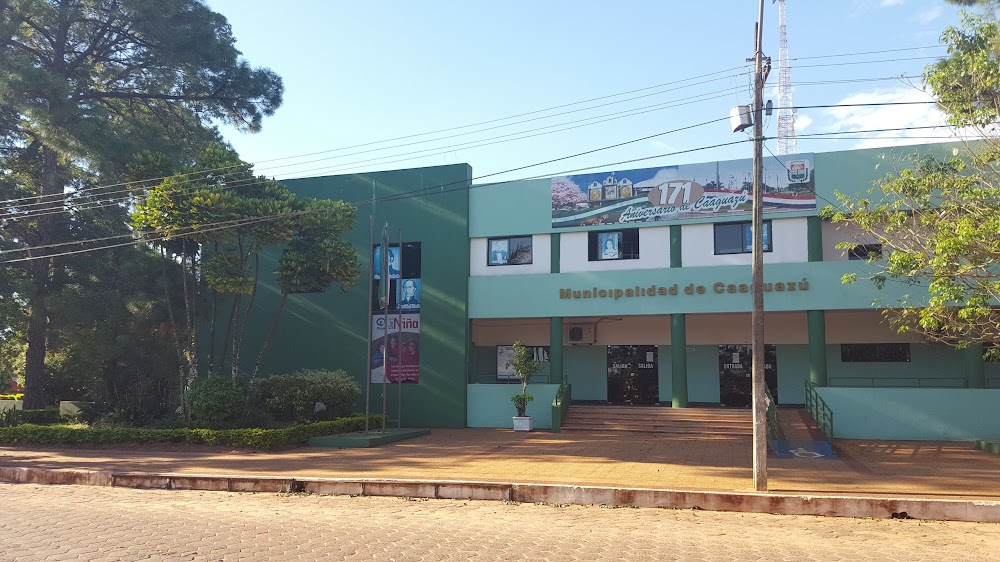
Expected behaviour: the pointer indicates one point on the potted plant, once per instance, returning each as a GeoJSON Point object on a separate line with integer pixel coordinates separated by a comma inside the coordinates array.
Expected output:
{"type": "Point", "coordinates": [523, 365]}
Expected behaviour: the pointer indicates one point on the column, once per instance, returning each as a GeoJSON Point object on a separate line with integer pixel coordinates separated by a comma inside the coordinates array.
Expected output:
{"type": "Point", "coordinates": [556, 373]}
{"type": "Point", "coordinates": [816, 320]}
{"type": "Point", "coordinates": [814, 238]}
{"type": "Point", "coordinates": [675, 245]}
{"type": "Point", "coordinates": [678, 360]}
{"type": "Point", "coordinates": [975, 372]}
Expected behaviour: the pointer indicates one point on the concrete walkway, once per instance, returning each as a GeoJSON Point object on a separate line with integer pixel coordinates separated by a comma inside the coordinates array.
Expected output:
{"type": "Point", "coordinates": [899, 469]}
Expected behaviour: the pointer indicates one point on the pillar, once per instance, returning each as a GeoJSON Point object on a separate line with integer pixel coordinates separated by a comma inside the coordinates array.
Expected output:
{"type": "Point", "coordinates": [675, 245]}
{"type": "Point", "coordinates": [556, 373]}
{"type": "Point", "coordinates": [975, 372]}
{"type": "Point", "coordinates": [816, 320]}
{"type": "Point", "coordinates": [814, 238]}
{"type": "Point", "coordinates": [678, 360]}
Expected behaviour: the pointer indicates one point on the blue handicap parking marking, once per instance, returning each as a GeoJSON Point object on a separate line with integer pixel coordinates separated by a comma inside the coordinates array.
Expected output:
{"type": "Point", "coordinates": [804, 449]}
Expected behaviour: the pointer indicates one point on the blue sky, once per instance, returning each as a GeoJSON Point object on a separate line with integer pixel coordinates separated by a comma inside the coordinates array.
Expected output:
{"type": "Point", "coordinates": [363, 72]}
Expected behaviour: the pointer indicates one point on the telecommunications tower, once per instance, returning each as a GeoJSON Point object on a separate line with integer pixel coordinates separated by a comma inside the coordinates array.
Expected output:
{"type": "Point", "coordinates": [786, 113]}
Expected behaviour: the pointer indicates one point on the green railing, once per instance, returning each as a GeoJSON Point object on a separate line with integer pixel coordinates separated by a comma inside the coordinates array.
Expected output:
{"type": "Point", "coordinates": [774, 434]}
{"type": "Point", "coordinates": [560, 405]}
{"type": "Point", "coordinates": [820, 412]}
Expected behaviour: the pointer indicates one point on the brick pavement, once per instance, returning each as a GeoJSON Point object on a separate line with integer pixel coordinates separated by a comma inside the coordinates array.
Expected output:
{"type": "Point", "coordinates": [892, 468]}
{"type": "Point", "coordinates": [102, 524]}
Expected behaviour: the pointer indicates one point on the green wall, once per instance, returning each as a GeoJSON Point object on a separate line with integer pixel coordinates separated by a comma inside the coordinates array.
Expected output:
{"type": "Point", "coordinates": [535, 296]}
{"type": "Point", "coordinates": [929, 366]}
{"type": "Point", "coordinates": [942, 414]}
{"type": "Point", "coordinates": [329, 330]}
{"type": "Point", "coordinates": [587, 370]}
{"type": "Point", "coordinates": [490, 405]}
{"type": "Point", "coordinates": [793, 370]}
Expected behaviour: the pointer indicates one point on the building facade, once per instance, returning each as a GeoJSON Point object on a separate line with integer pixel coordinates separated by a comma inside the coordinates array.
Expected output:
{"type": "Point", "coordinates": [633, 286]}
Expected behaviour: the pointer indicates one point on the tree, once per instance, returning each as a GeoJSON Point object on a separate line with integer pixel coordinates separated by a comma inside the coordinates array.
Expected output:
{"type": "Point", "coordinates": [524, 365]}
{"type": "Point", "coordinates": [89, 83]}
{"type": "Point", "coordinates": [938, 221]}
{"type": "Point", "coordinates": [217, 227]}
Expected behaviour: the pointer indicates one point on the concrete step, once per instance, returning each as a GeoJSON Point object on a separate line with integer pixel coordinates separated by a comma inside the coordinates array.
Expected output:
{"type": "Point", "coordinates": [706, 423]}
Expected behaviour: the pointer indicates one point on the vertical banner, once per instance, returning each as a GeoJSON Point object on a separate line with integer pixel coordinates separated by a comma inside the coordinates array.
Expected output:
{"type": "Point", "coordinates": [396, 347]}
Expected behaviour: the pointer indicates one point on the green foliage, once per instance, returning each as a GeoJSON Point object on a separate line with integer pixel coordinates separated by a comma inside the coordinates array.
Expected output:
{"type": "Point", "coordinates": [293, 397]}
{"type": "Point", "coordinates": [79, 434]}
{"type": "Point", "coordinates": [216, 401]}
{"type": "Point", "coordinates": [41, 417]}
{"type": "Point", "coordinates": [10, 417]}
{"type": "Point", "coordinates": [524, 365]}
{"type": "Point", "coordinates": [966, 83]}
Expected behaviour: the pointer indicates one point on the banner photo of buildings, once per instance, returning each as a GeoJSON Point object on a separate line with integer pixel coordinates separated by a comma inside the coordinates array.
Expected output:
{"type": "Point", "coordinates": [396, 346]}
{"type": "Point", "coordinates": [682, 192]}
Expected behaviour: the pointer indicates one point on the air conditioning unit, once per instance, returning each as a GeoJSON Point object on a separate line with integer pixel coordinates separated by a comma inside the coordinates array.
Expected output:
{"type": "Point", "coordinates": [581, 334]}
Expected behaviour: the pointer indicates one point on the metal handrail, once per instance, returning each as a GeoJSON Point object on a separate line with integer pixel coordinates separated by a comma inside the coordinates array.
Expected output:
{"type": "Point", "coordinates": [819, 410]}
{"type": "Point", "coordinates": [774, 434]}
{"type": "Point", "coordinates": [902, 382]}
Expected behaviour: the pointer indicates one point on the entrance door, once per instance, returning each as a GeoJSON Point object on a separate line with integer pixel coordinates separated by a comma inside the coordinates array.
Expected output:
{"type": "Point", "coordinates": [735, 369]}
{"type": "Point", "coordinates": [632, 375]}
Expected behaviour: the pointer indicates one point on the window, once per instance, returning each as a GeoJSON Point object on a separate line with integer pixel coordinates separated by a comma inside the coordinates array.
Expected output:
{"type": "Point", "coordinates": [514, 250]}
{"type": "Point", "coordinates": [875, 353]}
{"type": "Point", "coordinates": [613, 245]}
{"type": "Point", "coordinates": [864, 252]}
{"type": "Point", "coordinates": [737, 238]}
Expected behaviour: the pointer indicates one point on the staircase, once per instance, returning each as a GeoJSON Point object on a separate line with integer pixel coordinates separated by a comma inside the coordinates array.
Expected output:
{"type": "Point", "coordinates": [702, 423]}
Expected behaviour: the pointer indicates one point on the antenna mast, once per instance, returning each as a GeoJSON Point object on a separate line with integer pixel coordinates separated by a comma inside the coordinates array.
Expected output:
{"type": "Point", "coordinates": [786, 114]}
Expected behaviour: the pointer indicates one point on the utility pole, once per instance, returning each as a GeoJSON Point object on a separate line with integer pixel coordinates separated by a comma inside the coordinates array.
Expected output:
{"type": "Point", "coordinates": [757, 316]}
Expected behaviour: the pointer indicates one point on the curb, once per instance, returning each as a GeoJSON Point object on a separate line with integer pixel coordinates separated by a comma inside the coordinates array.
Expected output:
{"type": "Point", "coordinates": [984, 511]}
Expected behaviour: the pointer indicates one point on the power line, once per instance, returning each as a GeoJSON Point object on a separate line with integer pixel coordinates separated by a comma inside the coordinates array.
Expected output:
{"type": "Point", "coordinates": [427, 191]}
{"type": "Point", "coordinates": [424, 192]}
{"type": "Point", "coordinates": [534, 112]}
{"type": "Point", "coordinates": [30, 213]}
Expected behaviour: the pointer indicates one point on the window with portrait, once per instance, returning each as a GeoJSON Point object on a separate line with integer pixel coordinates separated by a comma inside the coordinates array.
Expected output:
{"type": "Point", "coordinates": [737, 237]}
{"type": "Point", "coordinates": [510, 250]}
{"type": "Point", "coordinates": [612, 245]}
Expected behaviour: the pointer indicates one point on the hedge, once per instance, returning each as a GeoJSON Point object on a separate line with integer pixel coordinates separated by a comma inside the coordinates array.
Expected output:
{"type": "Point", "coordinates": [241, 438]}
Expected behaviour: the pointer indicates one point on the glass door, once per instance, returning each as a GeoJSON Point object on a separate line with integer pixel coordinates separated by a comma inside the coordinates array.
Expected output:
{"type": "Point", "coordinates": [633, 375]}
{"type": "Point", "coordinates": [735, 368]}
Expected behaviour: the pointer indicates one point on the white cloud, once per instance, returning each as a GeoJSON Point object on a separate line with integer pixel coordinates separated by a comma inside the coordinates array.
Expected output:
{"type": "Point", "coordinates": [891, 3]}
{"type": "Point", "coordinates": [802, 122]}
{"type": "Point", "coordinates": [868, 117]}
{"type": "Point", "coordinates": [660, 145]}
{"type": "Point", "coordinates": [928, 16]}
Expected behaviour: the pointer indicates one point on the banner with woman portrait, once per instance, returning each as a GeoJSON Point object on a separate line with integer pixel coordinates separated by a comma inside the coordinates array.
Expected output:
{"type": "Point", "coordinates": [395, 321]}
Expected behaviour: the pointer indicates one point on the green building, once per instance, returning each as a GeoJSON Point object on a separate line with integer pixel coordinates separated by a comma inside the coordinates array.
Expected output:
{"type": "Point", "coordinates": [633, 288]}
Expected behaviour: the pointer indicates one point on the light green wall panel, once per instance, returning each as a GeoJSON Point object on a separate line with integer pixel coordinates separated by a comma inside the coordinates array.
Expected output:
{"type": "Point", "coordinates": [490, 405]}
{"type": "Point", "coordinates": [665, 374]}
{"type": "Point", "coordinates": [853, 172]}
{"type": "Point", "coordinates": [534, 296]}
{"type": "Point", "coordinates": [992, 371]}
{"type": "Point", "coordinates": [703, 374]}
{"type": "Point", "coordinates": [793, 370]}
{"type": "Point", "coordinates": [942, 414]}
{"type": "Point", "coordinates": [587, 369]}
{"type": "Point", "coordinates": [930, 365]}
{"type": "Point", "coordinates": [523, 207]}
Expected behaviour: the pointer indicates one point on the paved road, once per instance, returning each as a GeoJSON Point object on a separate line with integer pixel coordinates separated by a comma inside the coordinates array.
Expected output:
{"type": "Point", "coordinates": [96, 523]}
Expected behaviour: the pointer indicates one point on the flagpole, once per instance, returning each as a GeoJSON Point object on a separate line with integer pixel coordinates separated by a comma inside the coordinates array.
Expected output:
{"type": "Point", "coordinates": [387, 277]}
{"type": "Point", "coordinates": [368, 317]}
{"type": "Point", "coordinates": [399, 355]}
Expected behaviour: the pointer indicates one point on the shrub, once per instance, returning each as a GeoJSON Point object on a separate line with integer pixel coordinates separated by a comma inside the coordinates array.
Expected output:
{"type": "Point", "coordinates": [40, 417]}
{"type": "Point", "coordinates": [293, 397]}
{"type": "Point", "coordinates": [240, 438]}
{"type": "Point", "coordinates": [215, 401]}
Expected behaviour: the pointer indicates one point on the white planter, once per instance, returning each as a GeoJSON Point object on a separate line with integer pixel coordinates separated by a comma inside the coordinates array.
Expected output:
{"type": "Point", "coordinates": [522, 424]}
